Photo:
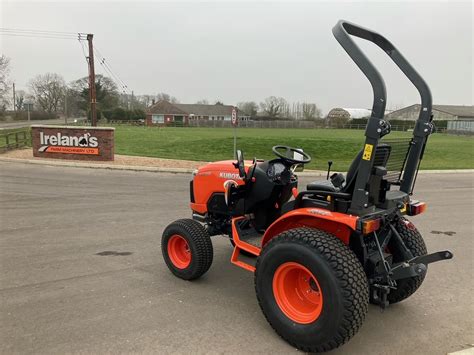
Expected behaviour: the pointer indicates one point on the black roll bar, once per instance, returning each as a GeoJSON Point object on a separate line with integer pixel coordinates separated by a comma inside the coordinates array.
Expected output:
{"type": "Point", "coordinates": [343, 31]}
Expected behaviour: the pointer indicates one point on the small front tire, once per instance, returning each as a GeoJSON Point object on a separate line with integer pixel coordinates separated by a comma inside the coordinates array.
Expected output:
{"type": "Point", "coordinates": [187, 249]}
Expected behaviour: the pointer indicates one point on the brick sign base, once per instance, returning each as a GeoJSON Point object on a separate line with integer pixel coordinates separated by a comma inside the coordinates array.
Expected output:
{"type": "Point", "coordinates": [78, 143]}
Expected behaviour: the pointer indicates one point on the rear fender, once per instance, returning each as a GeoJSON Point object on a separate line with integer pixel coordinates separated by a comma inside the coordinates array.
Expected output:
{"type": "Point", "coordinates": [338, 224]}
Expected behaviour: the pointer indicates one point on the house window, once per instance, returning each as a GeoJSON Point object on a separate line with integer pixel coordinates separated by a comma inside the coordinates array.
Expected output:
{"type": "Point", "coordinates": [158, 118]}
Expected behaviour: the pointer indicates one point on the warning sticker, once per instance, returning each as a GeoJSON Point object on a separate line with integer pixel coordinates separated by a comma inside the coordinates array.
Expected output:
{"type": "Point", "coordinates": [367, 152]}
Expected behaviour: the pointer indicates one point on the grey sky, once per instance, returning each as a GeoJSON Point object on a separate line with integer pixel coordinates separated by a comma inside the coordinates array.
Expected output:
{"type": "Point", "coordinates": [238, 51]}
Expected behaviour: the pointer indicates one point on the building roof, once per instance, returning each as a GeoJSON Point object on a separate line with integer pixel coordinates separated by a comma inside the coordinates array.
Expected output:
{"type": "Point", "coordinates": [350, 113]}
{"type": "Point", "coordinates": [358, 112]}
{"type": "Point", "coordinates": [455, 110]}
{"type": "Point", "coordinates": [164, 107]}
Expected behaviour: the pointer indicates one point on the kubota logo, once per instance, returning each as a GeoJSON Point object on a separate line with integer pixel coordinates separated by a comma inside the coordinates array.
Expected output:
{"type": "Point", "coordinates": [59, 143]}
{"type": "Point", "coordinates": [231, 176]}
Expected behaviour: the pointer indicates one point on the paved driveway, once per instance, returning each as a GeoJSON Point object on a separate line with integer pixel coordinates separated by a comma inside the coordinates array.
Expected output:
{"type": "Point", "coordinates": [59, 296]}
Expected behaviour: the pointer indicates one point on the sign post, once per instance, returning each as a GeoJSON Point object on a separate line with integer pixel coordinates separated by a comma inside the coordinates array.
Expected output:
{"type": "Point", "coordinates": [235, 123]}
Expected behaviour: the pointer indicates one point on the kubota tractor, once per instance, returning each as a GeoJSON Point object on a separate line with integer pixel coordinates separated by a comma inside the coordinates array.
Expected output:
{"type": "Point", "coordinates": [324, 252]}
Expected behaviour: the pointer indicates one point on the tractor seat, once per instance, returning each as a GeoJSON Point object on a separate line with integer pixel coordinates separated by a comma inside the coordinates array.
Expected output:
{"type": "Point", "coordinates": [382, 153]}
{"type": "Point", "coordinates": [323, 185]}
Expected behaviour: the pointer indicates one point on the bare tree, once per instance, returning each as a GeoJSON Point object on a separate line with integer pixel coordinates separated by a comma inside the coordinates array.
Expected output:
{"type": "Point", "coordinates": [4, 83]}
{"type": "Point", "coordinates": [310, 111]}
{"type": "Point", "coordinates": [20, 98]}
{"type": "Point", "coordinates": [145, 100]}
{"type": "Point", "coordinates": [202, 102]}
{"type": "Point", "coordinates": [274, 106]}
{"type": "Point", "coordinates": [48, 90]}
{"type": "Point", "coordinates": [166, 97]}
{"type": "Point", "coordinates": [248, 107]}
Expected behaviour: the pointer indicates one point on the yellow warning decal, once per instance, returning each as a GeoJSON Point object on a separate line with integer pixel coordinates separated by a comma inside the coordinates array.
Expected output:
{"type": "Point", "coordinates": [368, 151]}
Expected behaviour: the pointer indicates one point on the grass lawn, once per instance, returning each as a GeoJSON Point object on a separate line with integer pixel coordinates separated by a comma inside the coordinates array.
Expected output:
{"type": "Point", "coordinates": [340, 146]}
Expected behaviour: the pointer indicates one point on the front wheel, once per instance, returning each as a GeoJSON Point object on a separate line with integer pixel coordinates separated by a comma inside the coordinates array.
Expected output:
{"type": "Point", "coordinates": [187, 249]}
{"type": "Point", "coordinates": [312, 289]}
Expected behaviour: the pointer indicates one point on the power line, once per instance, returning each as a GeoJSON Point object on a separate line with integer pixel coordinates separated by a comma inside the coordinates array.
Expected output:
{"type": "Point", "coordinates": [41, 34]}
{"type": "Point", "coordinates": [4, 29]}
{"type": "Point", "coordinates": [80, 36]}
{"type": "Point", "coordinates": [108, 69]}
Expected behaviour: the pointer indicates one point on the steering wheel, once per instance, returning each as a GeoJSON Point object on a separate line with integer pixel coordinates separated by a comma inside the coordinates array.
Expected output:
{"type": "Point", "coordinates": [284, 152]}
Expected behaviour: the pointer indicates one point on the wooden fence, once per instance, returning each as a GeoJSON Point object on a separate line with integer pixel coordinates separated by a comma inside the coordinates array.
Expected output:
{"type": "Point", "coordinates": [14, 139]}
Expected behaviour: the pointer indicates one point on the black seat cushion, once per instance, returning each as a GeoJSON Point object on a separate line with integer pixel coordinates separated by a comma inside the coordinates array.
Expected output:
{"type": "Point", "coordinates": [323, 185]}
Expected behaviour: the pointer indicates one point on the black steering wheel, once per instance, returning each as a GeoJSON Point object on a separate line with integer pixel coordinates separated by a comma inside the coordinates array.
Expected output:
{"type": "Point", "coordinates": [284, 152]}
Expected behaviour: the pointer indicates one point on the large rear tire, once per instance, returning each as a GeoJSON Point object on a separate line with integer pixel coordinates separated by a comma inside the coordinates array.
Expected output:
{"type": "Point", "coordinates": [187, 249]}
{"type": "Point", "coordinates": [415, 243]}
{"type": "Point", "coordinates": [312, 289]}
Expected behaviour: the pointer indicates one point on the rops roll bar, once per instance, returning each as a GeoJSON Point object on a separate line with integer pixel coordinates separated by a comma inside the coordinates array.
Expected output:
{"type": "Point", "coordinates": [343, 32]}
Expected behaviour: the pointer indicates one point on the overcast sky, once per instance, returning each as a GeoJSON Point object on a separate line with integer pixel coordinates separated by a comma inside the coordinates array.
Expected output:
{"type": "Point", "coordinates": [239, 51]}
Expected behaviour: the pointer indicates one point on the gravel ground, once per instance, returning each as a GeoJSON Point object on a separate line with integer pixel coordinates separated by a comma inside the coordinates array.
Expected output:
{"type": "Point", "coordinates": [119, 160]}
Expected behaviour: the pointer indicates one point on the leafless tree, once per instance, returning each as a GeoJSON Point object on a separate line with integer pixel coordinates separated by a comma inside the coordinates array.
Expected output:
{"type": "Point", "coordinates": [48, 90]}
{"type": "Point", "coordinates": [166, 97]}
{"type": "Point", "coordinates": [20, 99]}
{"type": "Point", "coordinates": [248, 107]}
{"type": "Point", "coordinates": [4, 83]}
{"type": "Point", "coordinates": [274, 106]}
{"type": "Point", "coordinates": [202, 102]}
{"type": "Point", "coordinates": [310, 111]}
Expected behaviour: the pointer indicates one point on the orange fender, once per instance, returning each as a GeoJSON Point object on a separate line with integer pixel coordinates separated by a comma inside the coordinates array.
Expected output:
{"type": "Point", "coordinates": [338, 224]}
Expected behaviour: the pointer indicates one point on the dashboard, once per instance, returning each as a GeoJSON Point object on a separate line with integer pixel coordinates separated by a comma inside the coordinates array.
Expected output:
{"type": "Point", "coordinates": [275, 170]}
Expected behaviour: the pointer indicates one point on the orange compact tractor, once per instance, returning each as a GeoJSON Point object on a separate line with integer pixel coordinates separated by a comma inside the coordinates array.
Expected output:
{"type": "Point", "coordinates": [324, 252]}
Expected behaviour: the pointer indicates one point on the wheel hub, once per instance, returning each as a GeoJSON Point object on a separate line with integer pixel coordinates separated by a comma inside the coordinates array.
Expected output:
{"type": "Point", "coordinates": [297, 293]}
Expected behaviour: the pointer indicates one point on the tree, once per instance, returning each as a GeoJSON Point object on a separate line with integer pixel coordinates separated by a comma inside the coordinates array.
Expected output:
{"type": "Point", "coordinates": [4, 83]}
{"type": "Point", "coordinates": [106, 93]}
{"type": "Point", "coordinates": [48, 90]}
{"type": "Point", "coordinates": [202, 102]}
{"type": "Point", "coordinates": [248, 107]}
{"type": "Point", "coordinates": [20, 98]}
{"type": "Point", "coordinates": [274, 106]}
{"type": "Point", "coordinates": [310, 111]}
{"type": "Point", "coordinates": [166, 97]}
{"type": "Point", "coordinates": [218, 102]}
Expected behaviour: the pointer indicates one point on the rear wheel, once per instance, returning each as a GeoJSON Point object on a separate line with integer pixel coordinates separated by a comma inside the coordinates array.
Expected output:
{"type": "Point", "coordinates": [415, 243]}
{"type": "Point", "coordinates": [312, 289]}
{"type": "Point", "coordinates": [187, 249]}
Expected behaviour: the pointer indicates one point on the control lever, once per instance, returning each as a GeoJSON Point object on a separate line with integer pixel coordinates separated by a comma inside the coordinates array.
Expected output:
{"type": "Point", "coordinates": [329, 169]}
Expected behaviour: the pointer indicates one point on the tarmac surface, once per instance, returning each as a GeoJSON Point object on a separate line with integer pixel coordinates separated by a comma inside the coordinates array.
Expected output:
{"type": "Point", "coordinates": [21, 124]}
{"type": "Point", "coordinates": [82, 272]}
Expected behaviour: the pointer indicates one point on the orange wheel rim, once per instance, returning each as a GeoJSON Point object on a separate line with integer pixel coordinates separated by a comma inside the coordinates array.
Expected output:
{"type": "Point", "coordinates": [297, 293]}
{"type": "Point", "coordinates": [179, 251]}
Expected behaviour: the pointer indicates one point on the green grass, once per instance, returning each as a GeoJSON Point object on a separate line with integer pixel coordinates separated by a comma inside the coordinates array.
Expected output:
{"type": "Point", "coordinates": [340, 146]}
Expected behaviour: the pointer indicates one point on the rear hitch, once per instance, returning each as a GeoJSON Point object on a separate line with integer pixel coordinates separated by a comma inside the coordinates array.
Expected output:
{"type": "Point", "coordinates": [379, 295]}
{"type": "Point", "coordinates": [418, 265]}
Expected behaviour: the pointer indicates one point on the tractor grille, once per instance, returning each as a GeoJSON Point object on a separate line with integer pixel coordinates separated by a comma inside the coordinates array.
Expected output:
{"type": "Point", "coordinates": [393, 157]}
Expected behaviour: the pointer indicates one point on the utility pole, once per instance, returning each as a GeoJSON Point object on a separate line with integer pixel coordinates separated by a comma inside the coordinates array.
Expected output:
{"type": "Point", "coordinates": [65, 106]}
{"type": "Point", "coordinates": [92, 93]}
{"type": "Point", "coordinates": [14, 98]}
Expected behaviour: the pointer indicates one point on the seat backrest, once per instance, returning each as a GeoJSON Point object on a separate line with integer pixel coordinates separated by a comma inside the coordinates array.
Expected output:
{"type": "Point", "coordinates": [382, 153]}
